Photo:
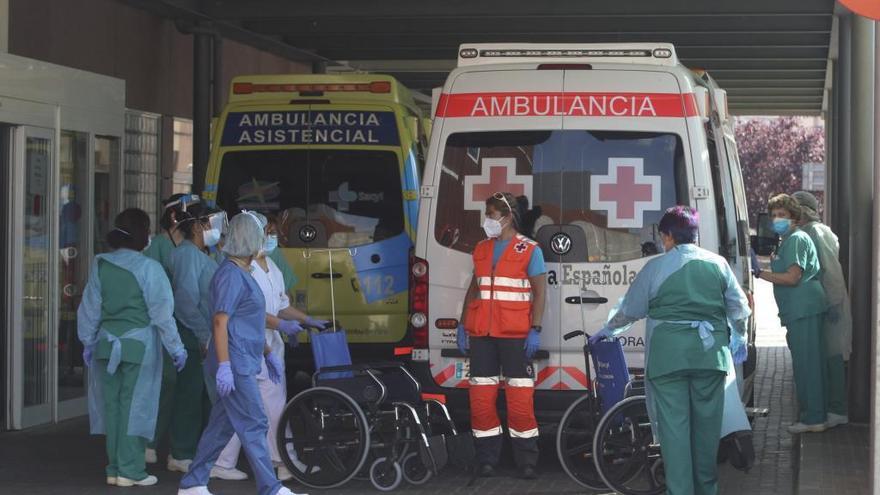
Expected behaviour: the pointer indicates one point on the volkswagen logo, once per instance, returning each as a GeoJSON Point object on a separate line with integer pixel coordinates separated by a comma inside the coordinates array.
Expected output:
{"type": "Point", "coordinates": [307, 233]}
{"type": "Point", "coordinates": [560, 243]}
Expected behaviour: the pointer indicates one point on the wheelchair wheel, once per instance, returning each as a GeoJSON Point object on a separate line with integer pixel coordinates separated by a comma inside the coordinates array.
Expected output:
{"type": "Point", "coordinates": [327, 429]}
{"type": "Point", "coordinates": [627, 457]}
{"type": "Point", "coordinates": [414, 470]}
{"type": "Point", "coordinates": [574, 442]}
{"type": "Point", "coordinates": [385, 474]}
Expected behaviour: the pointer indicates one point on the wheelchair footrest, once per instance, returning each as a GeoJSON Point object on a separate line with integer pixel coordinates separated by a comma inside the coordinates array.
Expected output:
{"type": "Point", "coordinates": [435, 456]}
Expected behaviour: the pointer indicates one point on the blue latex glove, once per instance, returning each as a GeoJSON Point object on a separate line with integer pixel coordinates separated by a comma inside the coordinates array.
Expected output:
{"type": "Point", "coordinates": [290, 327]}
{"type": "Point", "coordinates": [738, 348]}
{"type": "Point", "coordinates": [225, 383]}
{"type": "Point", "coordinates": [322, 324]}
{"type": "Point", "coordinates": [275, 367]}
{"type": "Point", "coordinates": [461, 339]}
{"type": "Point", "coordinates": [756, 265]}
{"type": "Point", "coordinates": [179, 360]}
{"type": "Point", "coordinates": [87, 354]}
{"type": "Point", "coordinates": [600, 335]}
{"type": "Point", "coordinates": [533, 341]}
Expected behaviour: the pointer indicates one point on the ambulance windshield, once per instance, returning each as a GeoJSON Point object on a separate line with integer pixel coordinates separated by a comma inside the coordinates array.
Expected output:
{"type": "Point", "coordinates": [613, 185]}
{"type": "Point", "coordinates": [322, 198]}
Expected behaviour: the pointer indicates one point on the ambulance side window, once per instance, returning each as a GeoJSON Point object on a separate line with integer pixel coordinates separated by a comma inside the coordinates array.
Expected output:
{"type": "Point", "coordinates": [724, 241]}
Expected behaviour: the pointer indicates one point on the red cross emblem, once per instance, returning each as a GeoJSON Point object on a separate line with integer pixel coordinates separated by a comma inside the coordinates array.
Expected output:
{"type": "Point", "coordinates": [520, 248]}
{"type": "Point", "coordinates": [498, 175]}
{"type": "Point", "coordinates": [626, 193]}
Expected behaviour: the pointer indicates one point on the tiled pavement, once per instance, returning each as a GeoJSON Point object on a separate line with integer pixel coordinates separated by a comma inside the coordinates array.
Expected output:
{"type": "Point", "coordinates": [64, 459]}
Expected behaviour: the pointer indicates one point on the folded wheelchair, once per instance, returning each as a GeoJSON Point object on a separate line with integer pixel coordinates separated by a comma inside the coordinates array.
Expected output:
{"type": "Point", "coordinates": [365, 421]}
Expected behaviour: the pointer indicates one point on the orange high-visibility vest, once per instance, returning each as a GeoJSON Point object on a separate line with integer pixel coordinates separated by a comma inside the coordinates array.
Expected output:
{"type": "Point", "coordinates": [503, 306]}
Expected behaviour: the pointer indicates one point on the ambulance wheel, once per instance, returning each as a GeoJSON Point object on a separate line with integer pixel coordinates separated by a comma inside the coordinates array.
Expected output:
{"type": "Point", "coordinates": [626, 453]}
{"type": "Point", "coordinates": [574, 442]}
{"type": "Point", "coordinates": [328, 430]}
{"type": "Point", "coordinates": [414, 470]}
{"type": "Point", "coordinates": [385, 475]}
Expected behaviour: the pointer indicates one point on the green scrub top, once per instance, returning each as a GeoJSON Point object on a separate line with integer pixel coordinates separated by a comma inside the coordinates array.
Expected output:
{"type": "Point", "coordinates": [696, 292]}
{"type": "Point", "coordinates": [122, 309]}
{"type": "Point", "coordinates": [807, 298]}
{"type": "Point", "coordinates": [160, 250]}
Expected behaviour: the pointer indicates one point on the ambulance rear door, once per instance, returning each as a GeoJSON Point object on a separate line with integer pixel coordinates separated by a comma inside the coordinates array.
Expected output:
{"type": "Point", "coordinates": [495, 136]}
{"type": "Point", "coordinates": [625, 162]}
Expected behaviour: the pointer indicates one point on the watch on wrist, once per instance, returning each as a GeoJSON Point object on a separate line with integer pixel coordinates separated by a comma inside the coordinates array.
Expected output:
{"type": "Point", "coordinates": [537, 328]}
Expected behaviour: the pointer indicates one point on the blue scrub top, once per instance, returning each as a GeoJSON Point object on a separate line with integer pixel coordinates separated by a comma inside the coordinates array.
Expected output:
{"type": "Point", "coordinates": [536, 262]}
{"type": "Point", "coordinates": [234, 292]}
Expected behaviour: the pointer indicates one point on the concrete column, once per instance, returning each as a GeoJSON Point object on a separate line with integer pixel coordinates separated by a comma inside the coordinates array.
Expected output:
{"type": "Point", "coordinates": [830, 162]}
{"type": "Point", "coordinates": [201, 108]}
{"type": "Point", "coordinates": [861, 214]}
{"type": "Point", "coordinates": [218, 89]}
{"type": "Point", "coordinates": [4, 26]}
{"type": "Point", "coordinates": [844, 107]}
{"type": "Point", "coordinates": [875, 280]}
{"type": "Point", "coordinates": [834, 185]}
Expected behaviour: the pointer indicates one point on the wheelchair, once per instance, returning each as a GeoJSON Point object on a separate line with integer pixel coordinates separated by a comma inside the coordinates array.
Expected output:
{"type": "Point", "coordinates": [605, 439]}
{"type": "Point", "coordinates": [362, 420]}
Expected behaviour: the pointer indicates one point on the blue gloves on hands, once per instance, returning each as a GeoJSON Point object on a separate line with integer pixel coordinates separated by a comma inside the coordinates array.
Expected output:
{"type": "Point", "coordinates": [322, 324]}
{"type": "Point", "coordinates": [275, 367]}
{"type": "Point", "coordinates": [600, 335]}
{"type": "Point", "coordinates": [179, 360]}
{"type": "Point", "coordinates": [738, 348]}
{"type": "Point", "coordinates": [533, 341]}
{"type": "Point", "coordinates": [225, 383]}
{"type": "Point", "coordinates": [461, 339]}
{"type": "Point", "coordinates": [290, 327]}
{"type": "Point", "coordinates": [756, 265]}
{"type": "Point", "coordinates": [87, 355]}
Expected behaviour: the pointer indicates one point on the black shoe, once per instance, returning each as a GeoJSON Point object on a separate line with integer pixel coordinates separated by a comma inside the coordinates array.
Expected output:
{"type": "Point", "coordinates": [486, 471]}
{"type": "Point", "coordinates": [528, 473]}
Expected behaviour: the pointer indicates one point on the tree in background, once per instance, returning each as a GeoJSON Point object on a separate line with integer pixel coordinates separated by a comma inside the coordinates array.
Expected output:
{"type": "Point", "coordinates": [772, 152]}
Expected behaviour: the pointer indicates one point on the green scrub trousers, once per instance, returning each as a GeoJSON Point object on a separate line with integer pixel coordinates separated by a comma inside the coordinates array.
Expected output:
{"type": "Point", "coordinates": [125, 452]}
{"type": "Point", "coordinates": [807, 346]}
{"type": "Point", "coordinates": [835, 386]}
{"type": "Point", "coordinates": [689, 406]}
{"type": "Point", "coordinates": [180, 403]}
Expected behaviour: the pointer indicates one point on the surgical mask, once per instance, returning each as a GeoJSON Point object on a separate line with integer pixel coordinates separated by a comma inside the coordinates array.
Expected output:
{"type": "Point", "coordinates": [270, 244]}
{"type": "Point", "coordinates": [781, 225]}
{"type": "Point", "coordinates": [149, 242]}
{"type": "Point", "coordinates": [211, 237]}
{"type": "Point", "coordinates": [492, 227]}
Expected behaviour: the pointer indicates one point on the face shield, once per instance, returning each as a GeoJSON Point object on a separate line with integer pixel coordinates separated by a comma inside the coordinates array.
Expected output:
{"type": "Point", "coordinates": [219, 221]}
{"type": "Point", "coordinates": [184, 201]}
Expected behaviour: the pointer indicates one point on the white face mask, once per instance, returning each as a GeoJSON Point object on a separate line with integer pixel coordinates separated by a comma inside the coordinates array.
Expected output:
{"type": "Point", "coordinates": [492, 227]}
{"type": "Point", "coordinates": [211, 237]}
{"type": "Point", "coordinates": [149, 241]}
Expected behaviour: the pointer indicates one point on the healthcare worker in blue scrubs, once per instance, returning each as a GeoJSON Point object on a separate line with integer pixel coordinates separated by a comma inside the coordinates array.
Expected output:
{"type": "Point", "coordinates": [692, 302]}
{"type": "Point", "coordinates": [236, 354]}
{"type": "Point", "coordinates": [125, 313]}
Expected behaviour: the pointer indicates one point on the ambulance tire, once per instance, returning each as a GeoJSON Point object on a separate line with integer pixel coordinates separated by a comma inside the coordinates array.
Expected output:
{"type": "Point", "coordinates": [574, 442]}
{"type": "Point", "coordinates": [629, 455]}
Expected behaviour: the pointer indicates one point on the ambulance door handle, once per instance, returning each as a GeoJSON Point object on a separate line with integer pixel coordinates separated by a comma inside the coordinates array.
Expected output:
{"type": "Point", "coordinates": [355, 286]}
{"type": "Point", "coordinates": [586, 300]}
{"type": "Point", "coordinates": [326, 275]}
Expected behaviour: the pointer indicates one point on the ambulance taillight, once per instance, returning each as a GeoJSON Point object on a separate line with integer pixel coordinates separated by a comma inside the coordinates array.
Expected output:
{"type": "Point", "coordinates": [418, 301]}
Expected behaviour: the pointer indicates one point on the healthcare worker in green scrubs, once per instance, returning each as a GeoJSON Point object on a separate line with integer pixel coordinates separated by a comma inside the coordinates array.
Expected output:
{"type": "Point", "coordinates": [838, 319]}
{"type": "Point", "coordinates": [163, 243]}
{"type": "Point", "coordinates": [696, 313]}
{"type": "Point", "coordinates": [125, 313]}
{"type": "Point", "coordinates": [802, 306]}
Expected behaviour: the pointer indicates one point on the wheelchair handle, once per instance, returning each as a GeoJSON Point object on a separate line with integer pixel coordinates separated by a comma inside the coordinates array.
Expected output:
{"type": "Point", "coordinates": [332, 327]}
{"type": "Point", "coordinates": [571, 335]}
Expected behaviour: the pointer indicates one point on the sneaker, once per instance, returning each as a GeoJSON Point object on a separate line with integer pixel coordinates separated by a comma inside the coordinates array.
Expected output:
{"type": "Point", "coordinates": [180, 465]}
{"type": "Point", "coordinates": [286, 491]}
{"type": "Point", "coordinates": [833, 420]}
{"type": "Point", "coordinates": [150, 456]}
{"type": "Point", "coordinates": [486, 471]}
{"type": "Point", "coordinates": [194, 490]}
{"type": "Point", "coordinates": [150, 480]}
{"type": "Point", "coordinates": [528, 473]}
{"type": "Point", "coordinates": [802, 428]}
{"type": "Point", "coordinates": [111, 480]}
{"type": "Point", "coordinates": [229, 474]}
{"type": "Point", "coordinates": [284, 474]}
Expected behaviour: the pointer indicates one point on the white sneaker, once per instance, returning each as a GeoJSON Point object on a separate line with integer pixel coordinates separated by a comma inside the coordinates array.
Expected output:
{"type": "Point", "coordinates": [286, 491]}
{"type": "Point", "coordinates": [180, 465]}
{"type": "Point", "coordinates": [833, 420]}
{"type": "Point", "coordinates": [194, 490]}
{"type": "Point", "coordinates": [111, 480]}
{"type": "Point", "coordinates": [150, 456]}
{"type": "Point", "coordinates": [803, 428]}
{"type": "Point", "coordinates": [150, 480]}
{"type": "Point", "coordinates": [229, 474]}
{"type": "Point", "coordinates": [284, 474]}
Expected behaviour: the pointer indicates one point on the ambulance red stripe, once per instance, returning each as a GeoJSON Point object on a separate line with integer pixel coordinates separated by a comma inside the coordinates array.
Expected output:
{"type": "Point", "coordinates": [573, 104]}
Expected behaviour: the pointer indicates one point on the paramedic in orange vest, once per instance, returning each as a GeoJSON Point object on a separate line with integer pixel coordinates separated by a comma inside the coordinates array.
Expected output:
{"type": "Point", "coordinates": [502, 327]}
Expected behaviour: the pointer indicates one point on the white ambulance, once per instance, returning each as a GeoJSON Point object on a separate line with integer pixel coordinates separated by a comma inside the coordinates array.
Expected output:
{"type": "Point", "coordinates": [600, 139]}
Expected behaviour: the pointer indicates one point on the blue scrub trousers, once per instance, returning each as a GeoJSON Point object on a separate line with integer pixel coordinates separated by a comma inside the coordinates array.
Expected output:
{"type": "Point", "coordinates": [241, 413]}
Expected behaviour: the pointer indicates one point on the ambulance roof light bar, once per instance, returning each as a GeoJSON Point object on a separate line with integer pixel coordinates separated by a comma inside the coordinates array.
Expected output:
{"type": "Point", "coordinates": [246, 88]}
{"type": "Point", "coordinates": [613, 53]}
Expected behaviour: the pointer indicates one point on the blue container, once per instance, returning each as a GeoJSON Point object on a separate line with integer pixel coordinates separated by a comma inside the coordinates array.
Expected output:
{"type": "Point", "coordinates": [331, 349]}
{"type": "Point", "coordinates": [612, 374]}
